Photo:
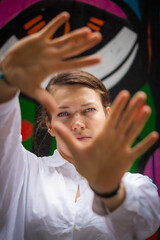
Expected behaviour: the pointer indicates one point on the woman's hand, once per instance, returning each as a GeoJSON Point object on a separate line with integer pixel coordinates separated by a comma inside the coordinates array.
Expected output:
{"type": "Point", "coordinates": [105, 159]}
{"type": "Point", "coordinates": [35, 57]}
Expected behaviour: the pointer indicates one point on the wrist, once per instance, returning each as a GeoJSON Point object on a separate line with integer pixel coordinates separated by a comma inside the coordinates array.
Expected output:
{"type": "Point", "coordinates": [114, 202]}
{"type": "Point", "coordinates": [107, 194]}
{"type": "Point", "coordinates": [2, 75]}
{"type": "Point", "coordinates": [7, 91]}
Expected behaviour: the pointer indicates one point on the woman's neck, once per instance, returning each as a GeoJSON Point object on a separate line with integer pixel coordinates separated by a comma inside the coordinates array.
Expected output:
{"type": "Point", "coordinates": [65, 156]}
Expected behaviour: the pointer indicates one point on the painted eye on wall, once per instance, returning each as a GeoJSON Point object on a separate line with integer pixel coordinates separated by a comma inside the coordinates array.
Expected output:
{"type": "Point", "coordinates": [121, 49]}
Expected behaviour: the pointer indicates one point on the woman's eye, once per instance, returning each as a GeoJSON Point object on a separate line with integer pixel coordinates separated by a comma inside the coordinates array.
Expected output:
{"type": "Point", "coordinates": [90, 109]}
{"type": "Point", "coordinates": [62, 114]}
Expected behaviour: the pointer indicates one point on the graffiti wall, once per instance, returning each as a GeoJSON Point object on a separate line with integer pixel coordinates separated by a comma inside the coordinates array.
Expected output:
{"type": "Point", "coordinates": [129, 52]}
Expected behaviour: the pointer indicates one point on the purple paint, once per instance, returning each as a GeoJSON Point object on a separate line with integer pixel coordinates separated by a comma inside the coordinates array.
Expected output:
{"type": "Point", "coordinates": [152, 168]}
{"type": "Point", "coordinates": [10, 8]}
{"type": "Point", "coordinates": [107, 5]}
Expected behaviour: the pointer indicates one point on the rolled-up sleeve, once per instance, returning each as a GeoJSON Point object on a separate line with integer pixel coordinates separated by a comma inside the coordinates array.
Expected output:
{"type": "Point", "coordinates": [11, 156]}
{"type": "Point", "coordinates": [139, 214]}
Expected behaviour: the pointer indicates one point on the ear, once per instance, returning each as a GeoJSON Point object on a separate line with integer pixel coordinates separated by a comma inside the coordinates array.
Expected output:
{"type": "Point", "coordinates": [49, 127]}
{"type": "Point", "coordinates": [108, 110]}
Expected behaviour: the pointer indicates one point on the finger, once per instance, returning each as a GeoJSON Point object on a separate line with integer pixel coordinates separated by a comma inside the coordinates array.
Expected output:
{"type": "Point", "coordinates": [75, 48]}
{"type": "Point", "coordinates": [66, 136]}
{"type": "Point", "coordinates": [73, 36]}
{"type": "Point", "coordinates": [137, 126]}
{"type": "Point", "coordinates": [117, 109]}
{"type": "Point", "coordinates": [128, 116]}
{"type": "Point", "coordinates": [78, 63]}
{"type": "Point", "coordinates": [144, 145]}
{"type": "Point", "coordinates": [54, 24]}
{"type": "Point", "coordinates": [45, 98]}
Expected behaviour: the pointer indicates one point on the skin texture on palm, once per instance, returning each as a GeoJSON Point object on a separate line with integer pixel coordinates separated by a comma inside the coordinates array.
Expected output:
{"type": "Point", "coordinates": [111, 146]}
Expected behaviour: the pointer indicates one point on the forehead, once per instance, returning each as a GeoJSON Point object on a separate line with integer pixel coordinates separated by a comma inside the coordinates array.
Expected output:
{"type": "Point", "coordinates": [75, 94]}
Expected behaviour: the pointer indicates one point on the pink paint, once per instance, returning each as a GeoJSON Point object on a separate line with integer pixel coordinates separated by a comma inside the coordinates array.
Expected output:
{"type": "Point", "coordinates": [149, 168]}
{"type": "Point", "coordinates": [10, 8]}
{"type": "Point", "coordinates": [107, 5]}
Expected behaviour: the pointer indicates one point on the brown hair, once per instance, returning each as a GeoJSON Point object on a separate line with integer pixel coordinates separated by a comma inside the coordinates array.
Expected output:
{"type": "Point", "coordinates": [66, 78]}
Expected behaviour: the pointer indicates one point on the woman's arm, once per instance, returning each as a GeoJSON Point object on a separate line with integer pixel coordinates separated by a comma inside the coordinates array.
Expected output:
{"type": "Point", "coordinates": [24, 67]}
{"type": "Point", "coordinates": [7, 91]}
{"type": "Point", "coordinates": [139, 214]}
{"type": "Point", "coordinates": [12, 164]}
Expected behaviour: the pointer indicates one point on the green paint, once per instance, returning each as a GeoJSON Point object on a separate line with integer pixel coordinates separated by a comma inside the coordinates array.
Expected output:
{"type": "Point", "coordinates": [28, 113]}
{"type": "Point", "coordinates": [53, 146]}
{"type": "Point", "coordinates": [150, 125]}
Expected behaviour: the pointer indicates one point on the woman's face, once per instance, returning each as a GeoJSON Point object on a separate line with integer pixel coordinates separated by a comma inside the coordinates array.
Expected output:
{"type": "Point", "coordinates": [80, 109]}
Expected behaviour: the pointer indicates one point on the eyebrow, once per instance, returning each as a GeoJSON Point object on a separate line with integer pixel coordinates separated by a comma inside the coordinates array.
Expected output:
{"type": "Point", "coordinates": [87, 104]}
{"type": "Point", "coordinates": [63, 107]}
{"type": "Point", "coordinates": [83, 105]}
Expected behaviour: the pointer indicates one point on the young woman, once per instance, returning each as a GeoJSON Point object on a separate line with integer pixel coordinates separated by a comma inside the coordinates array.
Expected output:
{"type": "Point", "coordinates": [84, 190]}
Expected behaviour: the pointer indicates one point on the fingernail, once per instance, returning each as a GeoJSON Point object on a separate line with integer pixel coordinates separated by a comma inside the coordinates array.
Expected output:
{"type": "Point", "coordinates": [97, 35]}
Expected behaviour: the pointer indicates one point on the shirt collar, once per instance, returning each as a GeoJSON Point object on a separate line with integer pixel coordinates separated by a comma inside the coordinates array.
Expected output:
{"type": "Point", "coordinates": [56, 160]}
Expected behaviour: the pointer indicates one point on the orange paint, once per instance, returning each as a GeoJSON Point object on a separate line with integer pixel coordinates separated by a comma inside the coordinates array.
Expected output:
{"type": "Point", "coordinates": [97, 21]}
{"type": "Point", "coordinates": [94, 27]}
{"type": "Point", "coordinates": [32, 22]}
{"type": "Point", "coordinates": [36, 28]}
{"type": "Point", "coordinates": [67, 28]}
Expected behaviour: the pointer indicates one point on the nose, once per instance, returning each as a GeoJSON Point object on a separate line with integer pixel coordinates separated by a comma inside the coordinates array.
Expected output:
{"type": "Point", "coordinates": [78, 125]}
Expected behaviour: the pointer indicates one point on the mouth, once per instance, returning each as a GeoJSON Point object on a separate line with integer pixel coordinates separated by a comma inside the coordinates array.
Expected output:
{"type": "Point", "coordinates": [83, 138]}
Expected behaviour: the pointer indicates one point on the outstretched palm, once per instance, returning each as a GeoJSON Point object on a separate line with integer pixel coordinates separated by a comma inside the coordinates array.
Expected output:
{"type": "Point", "coordinates": [35, 57]}
{"type": "Point", "coordinates": [105, 159]}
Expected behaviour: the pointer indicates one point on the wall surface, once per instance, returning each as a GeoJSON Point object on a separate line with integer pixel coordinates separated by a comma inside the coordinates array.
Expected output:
{"type": "Point", "coordinates": [129, 51]}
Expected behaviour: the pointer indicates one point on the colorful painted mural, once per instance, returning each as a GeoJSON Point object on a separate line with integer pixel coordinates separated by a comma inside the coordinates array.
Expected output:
{"type": "Point", "coordinates": [129, 52]}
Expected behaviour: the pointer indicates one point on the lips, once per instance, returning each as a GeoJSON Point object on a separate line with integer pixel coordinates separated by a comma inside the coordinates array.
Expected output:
{"type": "Point", "coordinates": [83, 138]}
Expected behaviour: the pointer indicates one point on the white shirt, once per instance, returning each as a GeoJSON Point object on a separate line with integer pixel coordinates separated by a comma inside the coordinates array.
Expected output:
{"type": "Point", "coordinates": [37, 196]}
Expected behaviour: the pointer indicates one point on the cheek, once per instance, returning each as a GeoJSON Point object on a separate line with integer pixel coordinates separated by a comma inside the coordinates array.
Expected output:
{"type": "Point", "coordinates": [99, 119]}
{"type": "Point", "coordinates": [96, 123]}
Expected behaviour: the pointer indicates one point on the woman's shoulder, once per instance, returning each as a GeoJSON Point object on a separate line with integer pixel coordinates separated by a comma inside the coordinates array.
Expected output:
{"type": "Point", "coordinates": [136, 178]}
{"type": "Point", "coordinates": [54, 160]}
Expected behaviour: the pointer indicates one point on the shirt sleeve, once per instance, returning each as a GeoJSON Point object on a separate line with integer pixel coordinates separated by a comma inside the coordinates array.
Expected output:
{"type": "Point", "coordinates": [11, 155]}
{"type": "Point", "coordinates": [140, 212]}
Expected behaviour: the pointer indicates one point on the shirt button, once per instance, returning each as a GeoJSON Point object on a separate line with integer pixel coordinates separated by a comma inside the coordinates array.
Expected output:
{"type": "Point", "coordinates": [76, 228]}
{"type": "Point", "coordinates": [134, 207]}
